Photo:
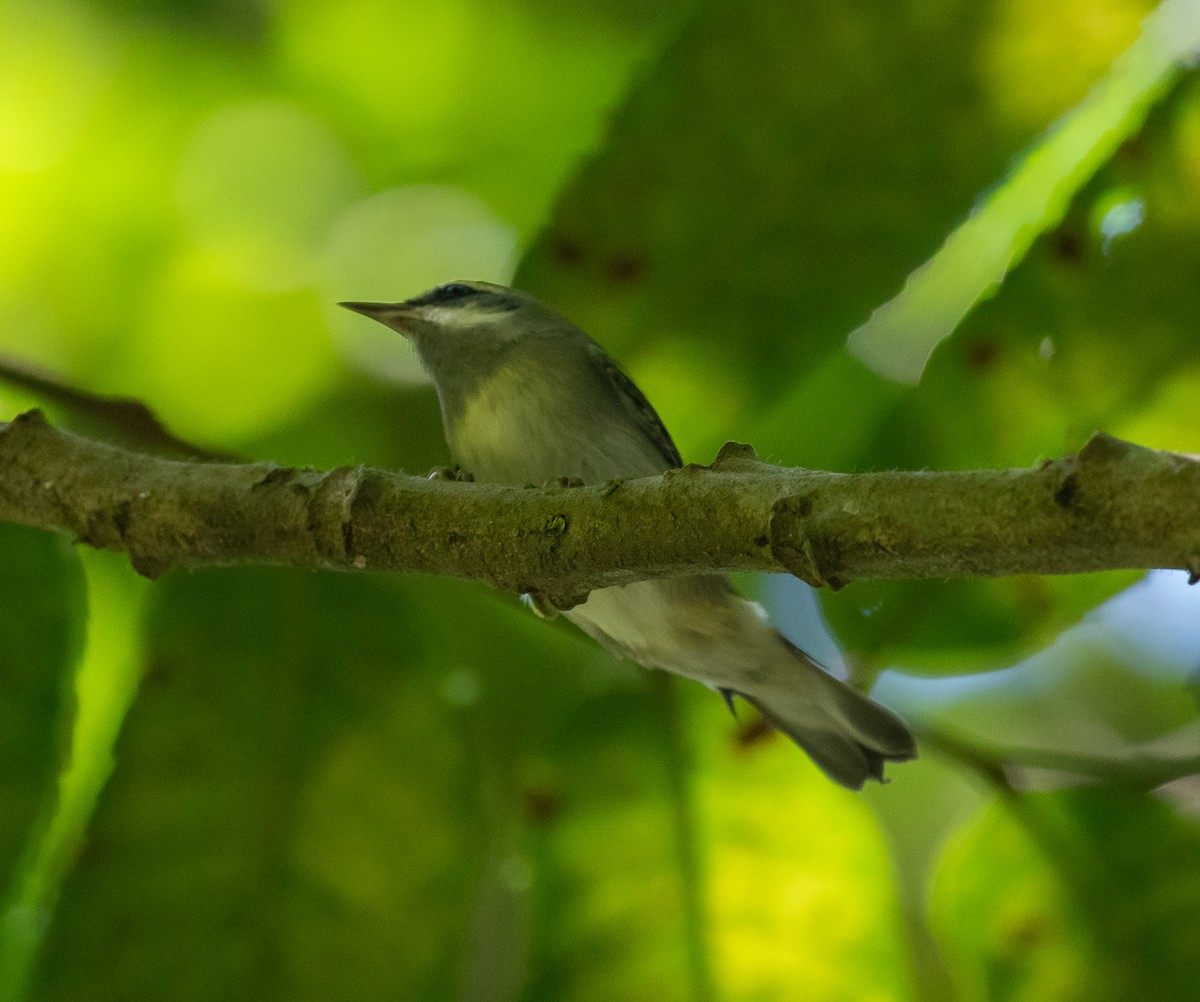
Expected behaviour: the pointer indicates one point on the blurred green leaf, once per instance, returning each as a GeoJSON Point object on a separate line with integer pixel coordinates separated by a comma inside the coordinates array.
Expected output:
{"type": "Point", "coordinates": [1004, 919]}
{"type": "Point", "coordinates": [279, 825]}
{"type": "Point", "coordinates": [1081, 338]}
{"type": "Point", "coordinates": [1083, 333]}
{"type": "Point", "coordinates": [834, 161]}
{"type": "Point", "coordinates": [973, 625]}
{"type": "Point", "coordinates": [318, 787]}
{"type": "Point", "coordinates": [803, 895]}
{"type": "Point", "coordinates": [42, 609]}
{"type": "Point", "coordinates": [41, 633]}
{"type": "Point", "coordinates": [611, 912]}
{"type": "Point", "coordinates": [763, 189]}
{"type": "Point", "coordinates": [901, 334]}
{"type": "Point", "coordinates": [1070, 899]}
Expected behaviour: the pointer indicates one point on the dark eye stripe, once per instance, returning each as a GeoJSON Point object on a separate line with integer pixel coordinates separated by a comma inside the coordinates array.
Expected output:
{"type": "Point", "coordinates": [459, 292]}
{"type": "Point", "coordinates": [449, 292]}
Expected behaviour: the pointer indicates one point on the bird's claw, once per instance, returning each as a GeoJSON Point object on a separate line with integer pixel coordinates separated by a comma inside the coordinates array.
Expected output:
{"type": "Point", "coordinates": [540, 604]}
{"type": "Point", "coordinates": [451, 473]}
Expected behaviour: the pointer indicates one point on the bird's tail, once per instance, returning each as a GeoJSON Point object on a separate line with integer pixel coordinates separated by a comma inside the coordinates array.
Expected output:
{"type": "Point", "coordinates": [847, 735]}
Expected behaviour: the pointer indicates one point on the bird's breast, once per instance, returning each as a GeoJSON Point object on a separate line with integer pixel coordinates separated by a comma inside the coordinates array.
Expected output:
{"type": "Point", "coordinates": [529, 428]}
{"type": "Point", "coordinates": [490, 434]}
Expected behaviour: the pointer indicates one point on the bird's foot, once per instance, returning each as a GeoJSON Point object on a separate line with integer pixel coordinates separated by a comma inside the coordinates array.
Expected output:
{"type": "Point", "coordinates": [451, 473]}
{"type": "Point", "coordinates": [540, 604]}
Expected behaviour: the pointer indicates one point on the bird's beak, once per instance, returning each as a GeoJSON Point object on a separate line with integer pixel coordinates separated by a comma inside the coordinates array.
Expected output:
{"type": "Point", "coordinates": [398, 316]}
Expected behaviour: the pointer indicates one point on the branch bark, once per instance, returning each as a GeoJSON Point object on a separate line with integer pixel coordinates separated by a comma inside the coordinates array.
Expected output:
{"type": "Point", "coordinates": [1113, 505]}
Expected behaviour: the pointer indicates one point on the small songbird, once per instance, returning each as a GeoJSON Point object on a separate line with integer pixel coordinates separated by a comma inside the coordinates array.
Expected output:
{"type": "Point", "coordinates": [527, 398]}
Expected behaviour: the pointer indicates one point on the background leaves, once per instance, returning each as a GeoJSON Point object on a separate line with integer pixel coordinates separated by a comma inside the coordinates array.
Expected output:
{"type": "Point", "coordinates": [369, 787]}
{"type": "Point", "coordinates": [38, 651]}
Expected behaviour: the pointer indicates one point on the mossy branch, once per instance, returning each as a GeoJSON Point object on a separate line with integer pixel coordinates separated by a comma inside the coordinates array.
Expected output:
{"type": "Point", "coordinates": [1112, 505]}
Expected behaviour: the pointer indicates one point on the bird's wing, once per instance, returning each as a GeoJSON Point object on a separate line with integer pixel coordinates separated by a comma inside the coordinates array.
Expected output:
{"type": "Point", "coordinates": [640, 408]}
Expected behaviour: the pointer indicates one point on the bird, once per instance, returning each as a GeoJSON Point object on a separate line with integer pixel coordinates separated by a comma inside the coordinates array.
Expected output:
{"type": "Point", "coordinates": [527, 397]}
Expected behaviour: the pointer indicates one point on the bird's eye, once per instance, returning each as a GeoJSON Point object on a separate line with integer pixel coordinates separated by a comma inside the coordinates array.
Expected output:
{"type": "Point", "coordinates": [451, 291]}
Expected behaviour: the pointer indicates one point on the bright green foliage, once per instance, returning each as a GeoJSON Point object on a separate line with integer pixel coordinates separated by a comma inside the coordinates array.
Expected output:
{"type": "Point", "coordinates": [798, 909]}
{"type": "Point", "coordinates": [368, 787]}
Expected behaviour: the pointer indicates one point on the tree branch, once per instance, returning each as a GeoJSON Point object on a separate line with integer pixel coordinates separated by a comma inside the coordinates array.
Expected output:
{"type": "Point", "coordinates": [1113, 505]}
{"type": "Point", "coordinates": [996, 763]}
{"type": "Point", "coordinates": [130, 421]}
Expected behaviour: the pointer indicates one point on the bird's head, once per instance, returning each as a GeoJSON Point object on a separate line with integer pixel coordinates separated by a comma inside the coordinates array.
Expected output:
{"type": "Point", "coordinates": [464, 329]}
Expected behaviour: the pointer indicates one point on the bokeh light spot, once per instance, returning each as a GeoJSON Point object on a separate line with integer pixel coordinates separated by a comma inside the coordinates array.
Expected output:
{"type": "Point", "coordinates": [222, 361]}
{"type": "Point", "coordinates": [398, 243]}
{"type": "Point", "coordinates": [258, 186]}
{"type": "Point", "coordinates": [1043, 57]}
{"type": "Point", "coordinates": [55, 60]}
